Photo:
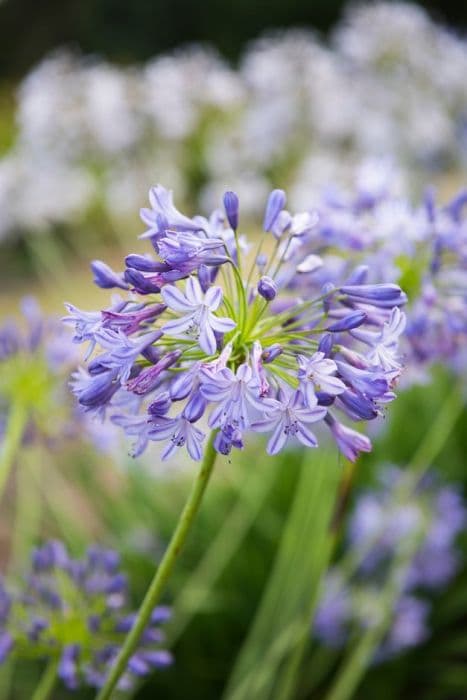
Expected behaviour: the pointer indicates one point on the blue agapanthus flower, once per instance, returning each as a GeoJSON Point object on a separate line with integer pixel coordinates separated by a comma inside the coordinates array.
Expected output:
{"type": "Point", "coordinates": [75, 611]}
{"type": "Point", "coordinates": [210, 334]}
{"type": "Point", "coordinates": [382, 521]}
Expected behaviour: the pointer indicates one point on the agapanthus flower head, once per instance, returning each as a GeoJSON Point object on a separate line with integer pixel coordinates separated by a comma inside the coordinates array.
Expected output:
{"type": "Point", "coordinates": [210, 338]}
{"type": "Point", "coordinates": [75, 611]}
{"type": "Point", "coordinates": [383, 521]}
{"type": "Point", "coordinates": [36, 357]}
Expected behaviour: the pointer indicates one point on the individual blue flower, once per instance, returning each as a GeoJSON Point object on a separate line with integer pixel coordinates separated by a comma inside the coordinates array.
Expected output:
{"type": "Point", "coordinates": [289, 418]}
{"type": "Point", "coordinates": [198, 320]}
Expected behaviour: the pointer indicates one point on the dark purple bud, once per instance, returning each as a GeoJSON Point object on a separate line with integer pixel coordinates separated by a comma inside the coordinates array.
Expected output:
{"type": "Point", "coordinates": [326, 344]}
{"type": "Point", "coordinates": [100, 390]}
{"type": "Point", "coordinates": [160, 405]}
{"type": "Point", "coordinates": [382, 295]}
{"type": "Point", "coordinates": [204, 277]}
{"type": "Point", "coordinates": [117, 584]}
{"type": "Point", "coordinates": [145, 264]}
{"type": "Point", "coordinates": [231, 209]}
{"type": "Point", "coordinates": [267, 288]}
{"type": "Point", "coordinates": [357, 406]}
{"type": "Point", "coordinates": [270, 354]}
{"type": "Point", "coordinates": [195, 407]}
{"type": "Point", "coordinates": [148, 379]}
{"type": "Point", "coordinates": [353, 320]}
{"type": "Point", "coordinates": [325, 399]}
{"type": "Point", "coordinates": [275, 204]}
{"type": "Point", "coordinates": [141, 284]}
{"type": "Point", "coordinates": [105, 277]}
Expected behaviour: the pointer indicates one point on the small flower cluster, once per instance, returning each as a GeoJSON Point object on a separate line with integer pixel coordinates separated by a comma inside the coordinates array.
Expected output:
{"type": "Point", "coordinates": [422, 248]}
{"type": "Point", "coordinates": [208, 330]}
{"type": "Point", "coordinates": [75, 611]}
{"type": "Point", "coordinates": [382, 520]}
{"type": "Point", "coordinates": [36, 357]}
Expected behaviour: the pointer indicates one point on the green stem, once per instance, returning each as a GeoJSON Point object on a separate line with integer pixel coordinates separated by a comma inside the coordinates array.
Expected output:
{"type": "Point", "coordinates": [12, 440]}
{"type": "Point", "coordinates": [164, 570]}
{"type": "Point", "coordinates": [47, 682]}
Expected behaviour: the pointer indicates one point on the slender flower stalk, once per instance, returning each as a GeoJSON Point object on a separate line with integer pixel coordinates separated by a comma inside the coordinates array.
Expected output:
{"type": "Point", "coordinates": [164, 570]}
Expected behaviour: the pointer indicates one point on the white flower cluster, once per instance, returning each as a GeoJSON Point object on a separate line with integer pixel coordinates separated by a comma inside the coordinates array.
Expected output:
{"type": "Point", "coordinates": [296, 111]}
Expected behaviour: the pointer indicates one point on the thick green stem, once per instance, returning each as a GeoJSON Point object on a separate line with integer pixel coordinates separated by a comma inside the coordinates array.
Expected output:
{"type": "Point", "coordinates": [12, 440]}
{"type": "Point", "coordinates": [164, 570]}
{"type": "Point", "coordinates": [47, 682]}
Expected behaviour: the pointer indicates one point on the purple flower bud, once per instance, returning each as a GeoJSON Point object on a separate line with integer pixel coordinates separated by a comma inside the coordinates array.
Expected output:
{"type": "Point", "coordinates": [382, 295]}
{"type": "Point", "coordinates": [267, 288]}
{"type": "Point", "coordinates": [326, 344]}
{"type": "Point", "coordinates": [204, 277]}
{"type": "Point", "coordinates": [231, 209]}
{"type": "Point", "coordinates": [99, 390]}
{"type": "Point", "coordinates": [356, 406]}
{"type": "Point", "coordinates": [353, 320]}
{"type": "Point", "coordinates": [195, 407]}
{"type": "Point", "coordinates": [270, 354]}
{"type": "Point", "coordinates": [140, 283]}
{"type": "Point", "coordinates": [275, 204]}
{"type": "Point", "coordinates": [145, 264]}
{"type": "Point", "coordinates": [152, 354]}
{"type": "Point", "coordinates": [148, 379]}
{"type": "Point", "coordinates": [161, 405]}
{"type": "Point", "coordinates": [349, 441]}
{"type": "Point", "coordinates": [105, 277]}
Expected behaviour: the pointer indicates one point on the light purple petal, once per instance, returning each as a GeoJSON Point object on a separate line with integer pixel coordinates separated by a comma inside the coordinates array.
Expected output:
{"type": "Point", "coordinates": [175, 300]}
{"type": "Point", "coordinates": [221, 325]}
{"type": "Point", "coordinates": [213, 298]}
{"type": "Point", "coordinates": [178, 325]}
{"type": "Point", "coordinates": [278, 439]}
{"type": "Point", "coordinates": [207, 339]}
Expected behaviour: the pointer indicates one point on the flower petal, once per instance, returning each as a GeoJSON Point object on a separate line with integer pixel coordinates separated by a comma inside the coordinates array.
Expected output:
{"type": "Point", "coordinates": [175, 299]}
